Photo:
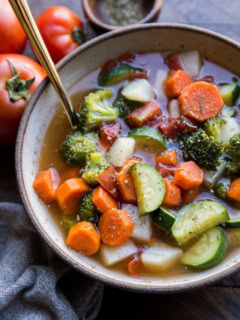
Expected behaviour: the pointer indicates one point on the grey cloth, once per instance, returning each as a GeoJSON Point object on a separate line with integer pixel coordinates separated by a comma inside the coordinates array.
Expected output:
{"type": "Point", "coordinates": [34, 283]}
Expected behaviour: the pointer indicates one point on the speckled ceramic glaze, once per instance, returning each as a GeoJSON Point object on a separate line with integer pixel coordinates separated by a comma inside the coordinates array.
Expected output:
{"type": "Point", "coordinates": [38, 115]}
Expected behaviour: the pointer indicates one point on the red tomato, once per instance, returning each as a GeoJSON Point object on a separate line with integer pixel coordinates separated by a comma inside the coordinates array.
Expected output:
{"type": "Point", "coordinates": [61, 30]}
{"type": "Point", "coordinates": [13, 94]}
{"type": "Point", "coordinates": [12, 36]}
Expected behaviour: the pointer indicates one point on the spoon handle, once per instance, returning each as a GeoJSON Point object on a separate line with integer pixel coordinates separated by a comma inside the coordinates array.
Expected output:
{"type": "Point", "coordinates": [28, 23]}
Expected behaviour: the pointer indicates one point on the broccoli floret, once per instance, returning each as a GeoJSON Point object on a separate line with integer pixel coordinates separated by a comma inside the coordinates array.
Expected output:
{"type": "Point", "coordinates": [96, 109]}
{"type": "Point", "coordinates": [234, 147]}
{"type": "Point", "coordinates": [87, 209]}
{"type": "Point", "coordinates": [95, 165]}
{"type": "Point", "coordinates": [67, 223]}
{"type": "Point", "coordinates": [232, 168]}
{"type": "Point", "coordinates": [221, 190]}
{"type": "Point", "coordinates": [76, 148]}
{"type": "Point", "coordinates": [125, 106]}
{"type": "Point", "coordinates": [202, 149]}
{"type": "Point", "coordinates": [213, 127]}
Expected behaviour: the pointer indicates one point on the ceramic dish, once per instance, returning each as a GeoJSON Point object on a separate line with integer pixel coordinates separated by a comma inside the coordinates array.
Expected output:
{"type": "Point", "coordinates": [40, 111]}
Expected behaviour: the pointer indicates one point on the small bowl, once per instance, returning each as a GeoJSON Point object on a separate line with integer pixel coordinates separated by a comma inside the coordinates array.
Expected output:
{"type": "Point", "coordinates": [95, 13]}
{"type": "Point", "coordinates": [42, 107]}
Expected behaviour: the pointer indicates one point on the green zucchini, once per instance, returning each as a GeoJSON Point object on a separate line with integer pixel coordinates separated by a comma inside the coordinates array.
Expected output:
{"type": "Point", "coordinates": [149, 187]}
{"type": "Point", "coordinates": [208, 251]}
{"type": "Point", "coordinates": [120, 73]}
{"type": "Point", "coordinates": [198, 217]}
{"type": "Point", "coordinates": [148, 139]}
{"type": "Point", "coordinates": [230, 93]}
{"type": "Point", "coordinates": [164, 218]}
{"type": "Point", "coordinates": [233, 223]}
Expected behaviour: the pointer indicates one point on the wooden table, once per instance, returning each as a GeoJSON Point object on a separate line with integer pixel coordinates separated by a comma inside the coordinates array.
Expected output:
{"type": "Point", "coordinates": [220, 301]}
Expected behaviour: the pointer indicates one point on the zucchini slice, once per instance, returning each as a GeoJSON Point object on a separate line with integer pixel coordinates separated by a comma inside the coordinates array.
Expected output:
{"type": "Point", "coordinates": [230, 93]}
{"type": "Point", "coordinates": [208, 251]}
{"type": "Point", "coordinates": [164, 218]}
{"type": "Point", "coordinates": [149, 187]}
{"type": "Point", "coordinates": [148, 139]}
{"type": "Point", "coordinates": [198, 217]}
{"type": "Point", "coordinates": [233, 223]}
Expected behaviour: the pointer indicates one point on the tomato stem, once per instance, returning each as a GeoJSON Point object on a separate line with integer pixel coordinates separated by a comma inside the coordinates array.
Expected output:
{"type": "Point", "coordinates": [77, 36]}
{"type": "Point", "coordinates": [18, 88]}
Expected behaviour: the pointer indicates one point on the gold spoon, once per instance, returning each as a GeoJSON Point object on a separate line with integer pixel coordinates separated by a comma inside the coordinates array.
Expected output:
{"type": "Point", "coordinates": [25, 17]}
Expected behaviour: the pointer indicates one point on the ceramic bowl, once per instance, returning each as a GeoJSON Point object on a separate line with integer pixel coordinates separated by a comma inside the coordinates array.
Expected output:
{"type": "Point", "coordinates": [96, 16]}
{"type": "Point", "coordinates": [41, 109]}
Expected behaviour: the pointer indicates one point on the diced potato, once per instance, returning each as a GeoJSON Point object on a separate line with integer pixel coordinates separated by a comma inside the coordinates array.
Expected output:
{"type": "Point", "coordinates": [229, 130]}
{"type": "Point", "coordinates": [160, 257]}
{"type": "Point", "coordinates": [138, 90]}
{"type": "Point", "coordinates": [191, 62]}
{"type": "Point", "coordinates": [121, 151]}
{"type": "Point", "coordinates": [111, 255]}
{"type": "Point", "coordinates": [210, 178]}
{"type": "Point", "coordinates": [142, 231]}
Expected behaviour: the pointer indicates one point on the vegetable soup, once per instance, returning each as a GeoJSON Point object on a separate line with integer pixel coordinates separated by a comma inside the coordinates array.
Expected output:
{"type": "Point", "coordinates": [150, 183]}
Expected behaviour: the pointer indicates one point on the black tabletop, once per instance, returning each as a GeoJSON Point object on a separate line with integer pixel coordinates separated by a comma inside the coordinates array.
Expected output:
{"type": "Point", "coordinates": [220, 301]}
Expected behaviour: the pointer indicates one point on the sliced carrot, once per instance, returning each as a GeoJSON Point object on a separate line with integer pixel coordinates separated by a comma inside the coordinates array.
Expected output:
{"type": "Point", "coordinates": [188, 175]}
{"type": "Point", "coordinates": [69, 193]}
{"type": "Point", "coordinates": [189, 195]}
{"type": "Point", "coordinates": [173, 194]}
{"type": "Point", "coordinates": [45, 185]}
{"type": "Point", "coordinates": [83, 238]}
{"type": "Point", "coordinates": [176, 82]}
{"type": "Point", "coordinates": [200, 101]}
{"type": "Point", "coordinates": [70, 173]}
{"type": "Point", "coordinates": [168, 158]}
{"type": "Point", "coordinates": [234, 190]}
{"type": "Point", "coordinates": [103, 200]}
{"type": "Point", "coordinates": [125, 183]}
{"type": "Point", "coordinates": [142, 115]}
{"type": "Point", "coordinates": [107, 180]}
{"type": "Point", "coordinates": [135, 266]}
{"type": "Point", "coordinates": [115, 226]}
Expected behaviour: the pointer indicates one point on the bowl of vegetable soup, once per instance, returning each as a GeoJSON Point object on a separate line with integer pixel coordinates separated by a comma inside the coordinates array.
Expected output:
{"type": "Point", "coordinates": [145, 195]}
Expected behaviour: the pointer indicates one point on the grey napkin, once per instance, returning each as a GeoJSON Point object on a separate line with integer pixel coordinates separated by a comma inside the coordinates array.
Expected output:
{"type": "Point", "coordinates": [34, 282]}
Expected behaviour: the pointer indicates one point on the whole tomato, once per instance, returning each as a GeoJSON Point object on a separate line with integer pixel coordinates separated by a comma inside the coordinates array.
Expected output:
{"type": "Point", "coordinates": [19, 78]}
{"type": "Point", "coordinates": [12, 36]}
{"type": "Point", "coordinates": [61, 30]}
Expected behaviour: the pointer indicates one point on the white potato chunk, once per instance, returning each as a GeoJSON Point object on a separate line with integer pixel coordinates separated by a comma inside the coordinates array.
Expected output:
{"type": "Point", "coordinates": [159, 82]}
{"type": "Point", "coordinates": [121, 151]}
{"type": "Point", "coordinates": [142, 231]}
{"type": "Point", "coordinates": [210, 178]}
{"type": "Point", "coordinates": [229, 130]}
{"type": "Point", "coordinates": [138, 90]}
{"type": "Point", "coordinates": [160, 257]}
{"type": "Point", "coordinates": [111, 255]}
{"type": "Point", "coordinates": [191, 62]}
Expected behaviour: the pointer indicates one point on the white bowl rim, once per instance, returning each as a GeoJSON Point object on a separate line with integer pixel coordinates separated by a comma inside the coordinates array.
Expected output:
{"type": "Point", "coordinates": [146, 288]}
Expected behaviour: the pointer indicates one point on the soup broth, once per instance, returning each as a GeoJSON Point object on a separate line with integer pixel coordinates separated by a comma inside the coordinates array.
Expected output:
{"type": "Point", "coordinates": [59, 129]}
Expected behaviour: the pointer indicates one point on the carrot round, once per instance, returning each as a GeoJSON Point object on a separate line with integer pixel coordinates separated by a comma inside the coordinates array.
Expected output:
{"type": "Point", "coordinates": [83, 238]}
{"type": "Point", "coordinates": [172, 195]}
{"type": "Point", "coordinates": [200, 101]}
{"type": "Point", "coordinates": [115, 227]}
{"type": "Point", "coordinates": [234, 190]}
{"type": "Point", "coordinates": [168, 158]}
{"type": "Point", "coordinates": [125, 183]}
{"type": "Point", "coordinates": [103, 200]}
{"type": "Point", "coordinates": [135, 266]}
{"type": "Point", "coordinates": [107, 180]}
{"type": "Point", "coordinates": [189, 195]}
{"type": "Point", "coordinates": [188, 175]}
{"type": "Point", "coordinates": [69, 193]}
{"type": "Point", "coordinates": [176, 82]}
{"type": "Point", "coordinates": [44, 185]}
